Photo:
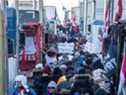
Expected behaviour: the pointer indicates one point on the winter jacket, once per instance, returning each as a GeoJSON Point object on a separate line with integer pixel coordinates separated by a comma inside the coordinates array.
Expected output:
{"type": "Point", "coordinates": [30, 92]}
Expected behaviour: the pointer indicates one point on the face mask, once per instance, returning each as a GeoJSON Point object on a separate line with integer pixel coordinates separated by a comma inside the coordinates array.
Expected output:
{"type": "Point", "coordinates": [54, 60]}
{"type": "Point", "coordinates": [51, 59]}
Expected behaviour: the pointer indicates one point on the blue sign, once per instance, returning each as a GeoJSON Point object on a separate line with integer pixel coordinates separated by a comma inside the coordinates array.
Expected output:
{"type": "Point", "coordinates": [11, 23]}
{"type": "Point", "coordinates": [11, 17]}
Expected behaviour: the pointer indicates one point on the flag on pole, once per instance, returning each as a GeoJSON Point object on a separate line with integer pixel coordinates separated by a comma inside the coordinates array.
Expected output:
{"type": "Point", "coordinates": [38, 42]}
{"type": "Point", "coordinates": [73, 19]}
{"type": "Point", "coordinates": [24, 57]}
{"type": "Point", "coordinates": [107, 15]}
{"type": "Point", "coordinates": [122, 85]}
{"type": "Point", "coordinates": [106, 23]}
{"type": "Point", "coordinates": [119, 10]}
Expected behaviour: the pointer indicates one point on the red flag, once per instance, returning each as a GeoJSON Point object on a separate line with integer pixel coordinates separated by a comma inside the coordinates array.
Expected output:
{"type": "Point", "coordinates": [107, 15]}
{"type": "Point", "coordinates": [124, 66]}
{"type": "Point", "coordinates": [24, 57]}
{"type": "Point", "coordinates": [119, 11]}
{"type": "Point", "coordinates": [73, 19]}
{"type": "Point", "coordinates": [38, 42]}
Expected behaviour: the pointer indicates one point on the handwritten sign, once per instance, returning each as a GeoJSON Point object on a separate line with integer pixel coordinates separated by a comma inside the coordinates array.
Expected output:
{"type": "Point", "coordinates": [65, 48]}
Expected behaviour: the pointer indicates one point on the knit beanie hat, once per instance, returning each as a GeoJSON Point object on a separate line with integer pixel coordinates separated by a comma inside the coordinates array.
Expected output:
{"type": "Point", "coordinates": [52, 84]}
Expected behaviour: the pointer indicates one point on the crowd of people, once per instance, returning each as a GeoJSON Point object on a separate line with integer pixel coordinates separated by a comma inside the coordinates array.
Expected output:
{"type": "Point", "coordinates": [85, 71]}
{"type": "Point", "coordinates": [80, 73]}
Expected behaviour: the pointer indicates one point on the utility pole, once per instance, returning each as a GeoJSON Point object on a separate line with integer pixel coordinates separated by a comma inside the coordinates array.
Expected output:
{"type": "Point", "coordinates": [112, 10]}
{"type": "Point", "coordinates": [42, 18]}
{"type": "Point", "coordinates": [17, 35]}
{"type": "Point", "coordinates": [85, 15]}
{"type": "Point", "coordinates": [81, 3]}
{"type": "Point", "coordinates": [41, 11]}
{"type": "Point", "coordinates": [34, 4]}
{"type": "Point", "coordinates": [55, 27]}
{"type": "Point", "coordinates": [6, 74]}
{"type": "Point", "coordinates": [94, 15]}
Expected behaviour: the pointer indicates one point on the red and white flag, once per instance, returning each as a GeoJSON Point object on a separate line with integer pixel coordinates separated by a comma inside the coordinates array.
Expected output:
{"type": "Point", "coordinates": [24, 56]}
{"type": "Point", "coordinates": [119, 10]}
{"type": "Point", "coordinates": [73, 19]}
{"type": "Point", "coordinates": [107, 15]}
{"type": "Point", "coordinates": [122, 85]}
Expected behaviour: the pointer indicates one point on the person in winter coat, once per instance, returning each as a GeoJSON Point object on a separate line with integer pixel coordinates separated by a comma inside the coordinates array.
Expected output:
{"type": "Point", "coordinates": [21, 87]}
{"type": "Point", "coordinates": [51, 56]}
{"type": "Point", "coordinates": [46, 78]}
{"type": "Point", "coordinates": [104, 83]}
{"type": "Point", "coordinates": [96, 62]}
{"type": "Point", "coordinates": [57, 73]}
{"type": "Point", "coordinates": [37, 81]}
{"type": "Point", "coordinates": [82, 85]}
{"type": "Point", "coordinates": [41, 78]}
{"type": "Point", "coordinates": [78, 61]}
{"type": "Point", "coordinates": [52, 88]}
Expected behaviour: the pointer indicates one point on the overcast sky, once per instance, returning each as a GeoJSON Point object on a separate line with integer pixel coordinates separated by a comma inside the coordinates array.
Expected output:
{"type": "Point", "coordinates": [60, 3]}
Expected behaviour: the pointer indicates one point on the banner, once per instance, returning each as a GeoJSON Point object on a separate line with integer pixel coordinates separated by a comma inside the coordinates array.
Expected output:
{"type": "Point", "coordinates": [90, 47]}
{"type": "Point", "coordinates": [107, 15]}
{"type": "Point", "coordinates": [65, 48]}
{"type": "Point", "coordinates": [29, 45]}
{"type": "Point", "coordinates": [119, 10]}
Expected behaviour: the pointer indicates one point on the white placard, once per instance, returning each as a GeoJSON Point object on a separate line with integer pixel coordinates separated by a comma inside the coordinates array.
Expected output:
{"type": "Point", "coordinates": [30, 45]}
{"type": "Point", "coordinates": [66, 48]}
{"type": "Point", "coordinates": [90, 47]}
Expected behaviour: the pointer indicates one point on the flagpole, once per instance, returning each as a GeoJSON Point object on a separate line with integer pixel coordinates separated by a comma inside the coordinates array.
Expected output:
{"type": "Point", "coordinates": [111, 10]}
{"type": "Point", "coordinates": [85, 15]}
{"type": "Point", "coordinates": [6, 77]}
{"type": "Point", "coordinates": [41, 11]}
{"type": "Point", "coordinates": [17, 35]}
{"type": "Point", "coordinates": [121, 50]}
{"type": "Point", "coordinates": [94, 14]}
{"type": "Point", "coordinates": [120, 41]}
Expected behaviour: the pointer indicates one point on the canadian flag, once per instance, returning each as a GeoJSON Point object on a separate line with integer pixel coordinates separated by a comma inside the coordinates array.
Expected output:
{"type": "Point", "coordinates": [107, 15]}
{"type": "Point", "coordinates": [122, 83]}
{"type": "Point", "coordinates": [119, 10]}
{"type": "Point", "coordinates": [24, 56]}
